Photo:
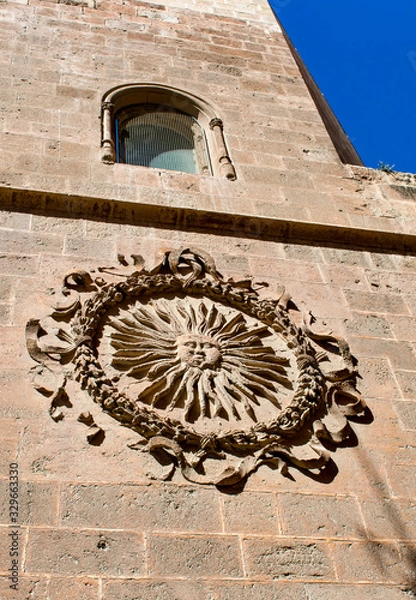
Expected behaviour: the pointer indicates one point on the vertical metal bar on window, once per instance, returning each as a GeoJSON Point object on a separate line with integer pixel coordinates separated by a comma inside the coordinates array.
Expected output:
{"type": "Point", "coordinates": [117, 136]}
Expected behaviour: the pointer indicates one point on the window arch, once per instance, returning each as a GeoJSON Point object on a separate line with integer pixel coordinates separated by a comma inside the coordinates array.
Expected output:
{"type": "Point", "coordinates": [164, 128]}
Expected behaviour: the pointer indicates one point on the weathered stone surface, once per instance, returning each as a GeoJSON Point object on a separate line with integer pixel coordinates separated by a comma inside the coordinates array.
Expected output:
{"type": "Point", "coordinates": [14, 220]}
{"type": "Point", "coordinates": [260, 591]}
{"type": "Point", "coordinates": [370, 562]}
{"type": "Point", "coordinates": [369, 325]}
{"type": "Point", "coordinates": [360, 592]}
{"type": "Point", "coordinates": [145, 508]}
{"type": "Point", "coordinates": [346, 277]}
{"type": "Point", "coordinates": [377, 378]}
{"type": "Point", "coordinates": [8, 535]}
{"type": "Point", "coordinates": [49, 447]}
{"type": "Point", "coordinates": [19, 242]}
{"type": "Point", "coordinates": [389, 519]}
{"type": "Point", "coordinates": [376, 303]}
{"type": "Point", "coordinates": [319, 516]}
{"type": "Point", "coordinates": [85, 552]}
{"type": "Point", "coordinates": [23, 266]}
{"type": "Point", "coordinates": [8, 454]}
{"type": "Point", "coordinates": [203, 556]}
{"type": "Point", "coordinates": [400, 354]}
{"type": "Point", "coordinates": [250, 512]}
{"type": "Point", "coordinates": [73, 589]}
{"type": "Point", "coordinates": [407, 414]}
{"type": "Point", "coordinates": [38, 503]}
{"type": "Point", "coordinates": [407, 384]}
{"type": "Point", "coordinates": [364, 467]}
{"type": "Point", "coordinates": [408, 553]}
{"type": "Point", "coordinates": [324, 301]}
{"type": "Point", "coordinates": [126, 589]}
{"type": "Point", "coordinates": [35, 587]}
{"type": "Point", "coordinates": [284, 559]}
{"type": "Point", "coordinates": [403, 328]}
{"type": "Point", "coordinates": [389, 433]}
{"type": "Point", "coordinates": [401, 480]}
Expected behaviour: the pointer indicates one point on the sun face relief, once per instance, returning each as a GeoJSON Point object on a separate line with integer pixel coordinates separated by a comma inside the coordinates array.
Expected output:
{"type": "Point", "coordinates": [197, 358]}
{"type": "Point", "coordinates": [199, 351]}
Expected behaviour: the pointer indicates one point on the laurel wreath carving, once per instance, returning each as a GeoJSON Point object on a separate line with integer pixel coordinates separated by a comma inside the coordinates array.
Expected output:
{"type": "Point", "coordinates": [193, 273]}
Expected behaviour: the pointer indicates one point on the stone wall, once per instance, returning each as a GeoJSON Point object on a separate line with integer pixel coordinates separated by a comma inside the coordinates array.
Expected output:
{"type": "Point", "coordinates": [93, 523]}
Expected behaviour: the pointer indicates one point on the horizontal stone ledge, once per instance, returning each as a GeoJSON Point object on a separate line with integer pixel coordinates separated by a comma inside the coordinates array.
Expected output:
{"type": "Point", "coordinates": [206, 221]}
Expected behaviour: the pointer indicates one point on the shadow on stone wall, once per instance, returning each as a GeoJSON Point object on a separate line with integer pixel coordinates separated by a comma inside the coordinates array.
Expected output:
{"type": "Point", "coordinates": [379, 551]}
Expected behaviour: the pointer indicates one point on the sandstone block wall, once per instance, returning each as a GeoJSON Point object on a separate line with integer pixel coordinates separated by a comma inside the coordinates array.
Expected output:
{"type": "Point", "coordinates": [92, 524]}
{"type": "Point", "coordinates": [91, 521]}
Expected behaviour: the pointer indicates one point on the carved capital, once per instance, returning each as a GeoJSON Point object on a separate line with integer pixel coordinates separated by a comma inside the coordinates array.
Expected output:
{"type": "Point", "coordinates": [216, 122]}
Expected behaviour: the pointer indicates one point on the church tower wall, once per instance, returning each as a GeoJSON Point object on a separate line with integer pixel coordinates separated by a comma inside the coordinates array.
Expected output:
{"type": "Point", "coordinates": [95, 522]}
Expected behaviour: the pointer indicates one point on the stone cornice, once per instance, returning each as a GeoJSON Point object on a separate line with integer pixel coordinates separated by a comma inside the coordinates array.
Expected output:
{"type": "Point", "coordinates": [235, 224]}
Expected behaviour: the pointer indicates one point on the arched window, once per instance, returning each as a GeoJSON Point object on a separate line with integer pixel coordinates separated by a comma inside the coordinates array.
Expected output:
{"type": "Point", "coordinates": [163, 128]}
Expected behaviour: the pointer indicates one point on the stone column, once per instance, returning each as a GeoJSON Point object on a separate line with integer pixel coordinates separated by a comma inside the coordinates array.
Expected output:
{"type": "Point", "coordinates": [223, 158]}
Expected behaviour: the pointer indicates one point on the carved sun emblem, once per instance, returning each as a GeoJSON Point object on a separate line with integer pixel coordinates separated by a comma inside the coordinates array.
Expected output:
{"type": "Point", "coordinates": [201, 368]}
{"type": "Point", "coordinates": [197, 358]}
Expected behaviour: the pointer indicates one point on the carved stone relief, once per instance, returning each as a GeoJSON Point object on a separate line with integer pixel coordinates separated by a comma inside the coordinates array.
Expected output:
{"type": "Point", "coordinates": [210, 376]}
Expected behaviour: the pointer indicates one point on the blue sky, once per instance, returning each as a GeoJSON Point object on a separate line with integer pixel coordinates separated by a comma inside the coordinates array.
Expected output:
{"type": "Point", "coordinates": [362, 54]}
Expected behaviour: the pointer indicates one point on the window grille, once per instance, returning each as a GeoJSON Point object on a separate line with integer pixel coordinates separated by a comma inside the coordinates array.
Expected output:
{"type": "Point", "coordinates": [160, 137]}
